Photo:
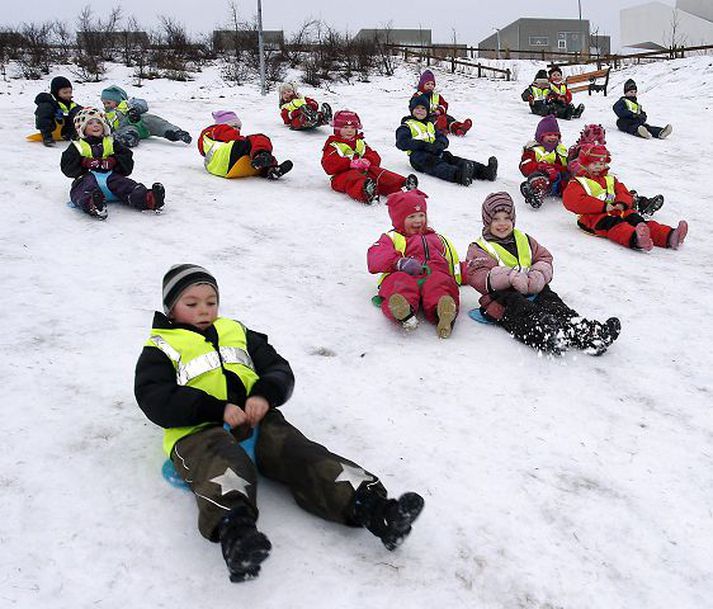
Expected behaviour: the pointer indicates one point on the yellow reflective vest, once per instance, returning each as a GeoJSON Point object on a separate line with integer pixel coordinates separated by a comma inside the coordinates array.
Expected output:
{"type": "Point", "coordinates": [112, 116]}
{"type": "Point", "coordinates": [632, 106]}
{"type": "Point", "coordinates": [435, 102]}
{"type": "Point", "coordinates": [217, 156]}
{"type": "Point", "coordinates": [560, 89]}
{"type": "Point", "coordinates": [522, 261]}
{"type": "Point", "coordinates": [594, 189]}
{"type": "Point", "coordinates": [539, 94]}
{"type": "Point", "coordinates": [422, 131]}
{"type": "Point", "coordinates": [66, 108]}
{"type": "Point", "coordinates": [543, 156]}
{"type": "Point", "coordinates": [345, 150]}
{"type": "Point", "coordinates": [86, 150]}
{"type": "Point", "coordinates": [451, 254]}
{"type": "Point", "coordinates": [293, 105]}
{"type": "Point", "coordinates": [198, 364]}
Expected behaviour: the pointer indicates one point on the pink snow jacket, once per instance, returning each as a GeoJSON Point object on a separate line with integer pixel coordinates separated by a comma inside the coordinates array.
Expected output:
{"type": "Point", "coordinates": [479, 266]}
{"type": "Point", "coordinates": [428, 248]}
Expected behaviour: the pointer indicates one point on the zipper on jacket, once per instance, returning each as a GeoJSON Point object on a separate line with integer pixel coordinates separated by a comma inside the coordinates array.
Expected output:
{"type": "Point", "coordinates": [426, 251]}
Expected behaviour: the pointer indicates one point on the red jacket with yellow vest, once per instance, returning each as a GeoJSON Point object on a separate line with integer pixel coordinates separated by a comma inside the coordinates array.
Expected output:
{"type": "Point", "coordinates": [333, 159]}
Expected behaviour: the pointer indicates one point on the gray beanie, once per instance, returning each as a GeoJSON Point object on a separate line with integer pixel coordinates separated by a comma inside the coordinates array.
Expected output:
{"type": "Point", "coordinates": [179, 278]}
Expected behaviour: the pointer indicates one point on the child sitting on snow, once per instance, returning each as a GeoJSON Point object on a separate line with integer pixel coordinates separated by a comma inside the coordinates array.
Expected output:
{"type": "Point", "coordinates": [512, 271]}
{"type": "Point", "coordinates": [596, 134]}
{"type": "Point", "coordinates": [211, 382]}
{"type": "Point", "coordinates": [426, 148]}
{"type": "Point", "coordinates": [56, 109]}
{"type": "Point", "coordinates": [130, 121]}
{"type": "Point", "coordinates": [605, 208]}
{"type": "Point", "coordinates": [231, 155]}
{"type": "Point", "coordinates": [100, 167]}
{"type": "Point", "coordinates": [301, 112]}
{"type": "Point", "coordinates": [560, 97]}
{"type": "Point", "coordinates": [538, 95]}
{"type": "Point", "coordinates": [632, 118]}
{"type": "Point", "coordinates": [438, 107]}
{"type": "Point", "coordinates": [544, 164]}
{"type": "Point", "coordinates": [417, 265]}
{"type": "Point", "coordinates": [354, 166]}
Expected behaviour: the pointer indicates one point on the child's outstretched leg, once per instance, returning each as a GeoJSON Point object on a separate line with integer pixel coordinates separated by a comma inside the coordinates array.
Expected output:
{"type": "Point", "coordinates": [87, 195]}
{"type": "Point", "coordinates": [388, 182]}
{"type": "Point", "coordinates": [440, 297]}
{"type": "Point", "coordinates": [401, 298]}
{"type": "Point", "coordinates": [331, 486]}
{"type": "Point", "coordinates": [665, 236]}
{"type": "Point", "coordinates": [160, 127]}
{"type": "Point", "coordinates": [356, 184]}
{"type": "Point", "coordinates": [136, 194]}
{"type": "Point", "coordinates": [223, 480]}
{"type": "Point", "coordinates": [532, 325]}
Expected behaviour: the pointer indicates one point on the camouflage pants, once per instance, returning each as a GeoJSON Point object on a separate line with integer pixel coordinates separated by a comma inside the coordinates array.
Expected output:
{"type": "Point", "coordinates": [222, 476]}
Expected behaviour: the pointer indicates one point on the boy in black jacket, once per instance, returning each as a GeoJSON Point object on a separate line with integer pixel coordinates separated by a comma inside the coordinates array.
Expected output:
{"type": "Point", "coordinates": [427, 152]}
{"type": "Point", "coordinates": [632, 118]}
{"type": "Point", "coordinates": [99, 166]}
{"type": "Point", "coordinates": [211, 383]}
{"type": "Point", "coordinates": [56, 108]}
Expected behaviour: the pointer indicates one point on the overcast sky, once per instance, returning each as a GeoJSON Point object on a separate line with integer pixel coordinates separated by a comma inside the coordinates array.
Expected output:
{"type": "Point", "coordinates": [471, 20]}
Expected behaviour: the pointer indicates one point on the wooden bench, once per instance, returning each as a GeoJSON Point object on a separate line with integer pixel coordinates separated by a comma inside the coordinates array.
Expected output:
{"type": "Point", "coordinates": [590, 78]}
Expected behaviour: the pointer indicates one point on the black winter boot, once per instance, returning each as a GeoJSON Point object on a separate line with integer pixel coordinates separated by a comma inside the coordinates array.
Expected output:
{"type": "Point", "coordinates": [276, 172]}
{"type": "Point", "coordinates": [96, 206]}
{"type": "Point", "coordinates": [464, 174]}
{"type": "Point", "coordinates": [244, 547]}
{"type": "Point", "coordinates": [411, 182]}
{"type": "Point", "coordinates": [593, 337]}
{"type": "Point", "coordinates": [389, 519]}
{"type": "Point", "coordinates": [262, 160]}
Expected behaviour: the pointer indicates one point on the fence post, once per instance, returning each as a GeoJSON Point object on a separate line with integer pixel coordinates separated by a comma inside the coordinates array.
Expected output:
{"type": "Point", "coordinates": [453, 65]}
{"type": "Point", "coordinates": [479, 70]}
{"type": "Point", "coordinates": [507, 74]}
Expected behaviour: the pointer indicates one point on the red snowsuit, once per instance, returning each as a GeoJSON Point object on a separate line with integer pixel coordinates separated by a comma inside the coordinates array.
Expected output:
{"type": "Point", "coordinates": [293, 118]}
{"type": "Point", "coordinates": [616, 225]}
{"type": "Point", "coordinates": [351, 181]}
{"type": "Point", "coordinates": [429, 249]}
{"type": "Point", "coordinates": [225, 133]}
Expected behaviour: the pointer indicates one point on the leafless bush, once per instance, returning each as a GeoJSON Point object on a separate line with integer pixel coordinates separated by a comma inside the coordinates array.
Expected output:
{"type": "Point", "coordinates": [97, 42]}
{"type": "Point", "coordinates": [35, 57]}
{"type": "Point", "coordinates": [174, 54]}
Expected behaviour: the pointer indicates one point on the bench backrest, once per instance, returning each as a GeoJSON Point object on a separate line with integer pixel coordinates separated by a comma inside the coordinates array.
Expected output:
{"type": "Point", "coordinates": [586, 76]}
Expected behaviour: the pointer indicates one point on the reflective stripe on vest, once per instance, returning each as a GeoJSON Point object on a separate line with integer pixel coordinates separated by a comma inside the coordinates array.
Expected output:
{"type": "Point", "coordinates": [435, 102]}
{"type": "Point", "coordinates": [632, 106]}
{"type": "Point", "coordinates": [291, 106]}
{"type": "Point", "coordinates": [560, 89]}
{"type": "Point", "coordinates": [451, 254]}
{"type": "Point", "coordinates": [594, 189]}
{"type": "Point", "coordinates": [522, 261]}
{"type": "Point", "coordinates": [112, 116]}
{"type": "Point", "coordinates": [423, 132]}
{"type": "Point", "coordinates": [543, 156]}
{"type": "Point", "coordinates": [345, 150]}
{"type": "Point", "coordinates": [217, 156]}
{"type": "Point", "coordinates": [86, 150]}
{"type": "Point", "coordinates": [199, 365]}
{"type": "Point", "coordinates": [65, 108]}
{"type": "Point", "coordinates": [539, 94]}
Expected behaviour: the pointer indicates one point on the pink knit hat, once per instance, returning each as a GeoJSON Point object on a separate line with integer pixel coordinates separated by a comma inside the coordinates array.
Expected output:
{"type": "Point", "coordinates": [227, 117]}
{"type": "Point", "coordinates": [344, 118]}
{"type": "Point", "coordinates": [495, 202]}
{"type": "Point", "coordinates": [402, 204]}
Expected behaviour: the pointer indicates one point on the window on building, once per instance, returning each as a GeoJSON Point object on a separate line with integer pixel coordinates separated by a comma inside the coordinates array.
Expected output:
{"type": "Point", "coordinates": [562, 45]}
{"type": "Point", "coordinates": [539, 41]}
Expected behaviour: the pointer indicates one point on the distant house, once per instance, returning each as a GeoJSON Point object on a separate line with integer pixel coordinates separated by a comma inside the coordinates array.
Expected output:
{"type": "Point", "coordinates": [659, 26]}
{"type": "Point", "coordinates": [395, 36]}
{"type": "Point", "coordinates": [549, 35]}
{"type": "Point", "coordinates": [226, 40]}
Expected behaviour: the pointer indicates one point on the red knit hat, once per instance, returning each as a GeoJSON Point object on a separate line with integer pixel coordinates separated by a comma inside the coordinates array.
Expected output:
{"type": "Point", "coordinates": [344, 118]}
{"type": "Point", "coordinates": [402, 204]}
{"type": "Point", "coordinates": [593, 152]}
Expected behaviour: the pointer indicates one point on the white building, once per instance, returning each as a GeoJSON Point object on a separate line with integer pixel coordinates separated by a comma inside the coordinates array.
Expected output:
{"type": "Point", "coordinates": [655, 25]}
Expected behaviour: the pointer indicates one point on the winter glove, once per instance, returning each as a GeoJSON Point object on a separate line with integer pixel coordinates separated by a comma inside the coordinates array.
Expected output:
{"type": "Point", "coordinates": [642, 115]}
{"type": "Point", "coordinates": [134, 115]}
{"type": "Point", "coordinates": [92, 164]}
{"type": "Point", "coordinates": [518, 280]}
{"type": "Point", "coordinates": [410, 266]}
{"type": "Point", "coordinates": [499, 278]}
{"type": "Point", "coordinates": [535, 281]}
{"type": "Point", "coordinates": [58, 115]}
{"type": "Point", "coordinates": [359, 163]}
{"type": "Point", "coordinates": [550, 171]}
{"type": "Point", "coordinates": [108, 163]}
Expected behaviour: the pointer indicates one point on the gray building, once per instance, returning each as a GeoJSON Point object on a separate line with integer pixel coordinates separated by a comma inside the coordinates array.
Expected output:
{"type": "Point", "coordinates": [228, 40]}
{"type": "Point", "coordinates": [533, 36]}
{"type": "Point", "coordinates": [394, 36]}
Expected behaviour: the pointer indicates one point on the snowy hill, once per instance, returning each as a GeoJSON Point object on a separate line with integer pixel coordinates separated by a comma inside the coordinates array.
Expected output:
{"type": "Point", "coordinates": [570, 483]}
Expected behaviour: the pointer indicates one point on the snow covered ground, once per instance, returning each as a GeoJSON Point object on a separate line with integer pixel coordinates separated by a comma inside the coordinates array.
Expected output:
{"type": "Point", "coordinates": [550, 483]}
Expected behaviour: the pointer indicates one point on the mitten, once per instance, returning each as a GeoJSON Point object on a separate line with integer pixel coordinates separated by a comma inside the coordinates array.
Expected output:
{"type": "Point", "coordinates": [499, 278]}
{"type": "Point", "coordinates": [108, 163]}
{"type": "Point", "coordinates": [535, 281]}
{"type": "Point", "coordinates": [90, 163]}
{"type": "Point", "coordinates": [134, 115]}
{"type": "Point", "coordinates": [518, 280]}
{"type": "Point", "coordinates": [410, 266]}
{"type": "Point", "coordinates": [58, 114]}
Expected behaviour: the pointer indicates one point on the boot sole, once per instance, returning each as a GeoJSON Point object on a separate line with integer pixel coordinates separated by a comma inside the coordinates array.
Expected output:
{"type": "Point", "coordinates": [446, 312]}
{"type": "Point", "coordinates": [410, 507]}
{"type": "Point", "coordinates": [401, 310]}
{"type": "Point", "coordinates": [246, 557]}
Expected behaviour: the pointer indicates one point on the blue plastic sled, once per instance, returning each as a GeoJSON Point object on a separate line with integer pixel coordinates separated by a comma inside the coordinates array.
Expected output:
{"type": "Point", "coordinates": [169, 473]}
{"type": "Point", "coordinates": [476, 315]}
